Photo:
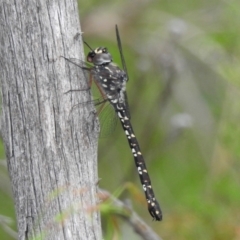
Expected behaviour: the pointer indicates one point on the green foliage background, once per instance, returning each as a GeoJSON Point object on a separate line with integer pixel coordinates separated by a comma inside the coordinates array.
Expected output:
{"type": "Point", "coordinates": [184, 95]}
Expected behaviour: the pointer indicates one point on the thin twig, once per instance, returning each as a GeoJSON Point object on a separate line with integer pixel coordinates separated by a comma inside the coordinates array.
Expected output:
{"type": "Point", "coordinates": [139, 226]}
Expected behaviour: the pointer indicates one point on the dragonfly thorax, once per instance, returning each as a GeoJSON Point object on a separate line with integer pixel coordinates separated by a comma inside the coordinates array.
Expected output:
{"type": "Point", "coordinates": [99, 56]}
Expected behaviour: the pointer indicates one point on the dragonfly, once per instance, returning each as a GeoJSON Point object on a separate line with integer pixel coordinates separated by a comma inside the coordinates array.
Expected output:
{"type": "Point", "coordinates": [111, 82]}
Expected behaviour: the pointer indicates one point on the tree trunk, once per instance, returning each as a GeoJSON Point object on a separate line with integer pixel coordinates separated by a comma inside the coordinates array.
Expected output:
{"type": "Point", "coordinates": [51, 148]}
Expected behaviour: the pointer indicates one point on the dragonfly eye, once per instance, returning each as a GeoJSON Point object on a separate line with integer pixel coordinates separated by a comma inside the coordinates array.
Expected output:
{"type": "Point", "coordinates": [91, 56]}
{"type": "Point", "coordinates": [99, 56]}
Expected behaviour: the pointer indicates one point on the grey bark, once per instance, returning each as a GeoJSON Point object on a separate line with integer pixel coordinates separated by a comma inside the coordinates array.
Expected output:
{"type": "Point", "coordinates": [51, 150]}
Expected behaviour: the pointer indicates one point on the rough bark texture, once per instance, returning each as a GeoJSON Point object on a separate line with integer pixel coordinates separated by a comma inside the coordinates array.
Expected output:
{"type": "Point", "coordinates": [51, 150]}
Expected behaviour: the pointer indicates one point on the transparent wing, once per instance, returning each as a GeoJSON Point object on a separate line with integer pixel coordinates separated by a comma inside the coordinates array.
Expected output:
{"type": "Point", "coordinates": [124, 68]}
{"type": "Point", "coordinates": [121, 52]}
{"type": "Point", "coordinates": [108, 120]}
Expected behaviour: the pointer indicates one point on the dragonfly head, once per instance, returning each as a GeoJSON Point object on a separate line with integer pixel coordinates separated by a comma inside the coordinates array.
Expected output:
{"type": "Point", "coordinates": [99, 56]}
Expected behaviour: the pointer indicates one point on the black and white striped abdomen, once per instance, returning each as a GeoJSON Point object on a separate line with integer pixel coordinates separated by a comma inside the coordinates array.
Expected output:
{"type": "Point", "coordinates": [153, 205]}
